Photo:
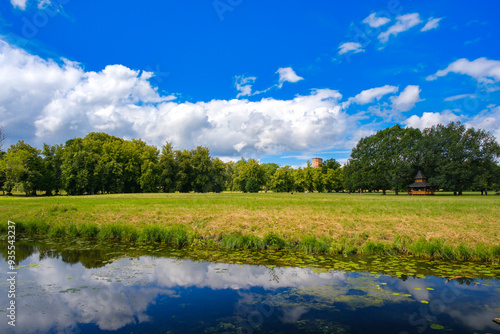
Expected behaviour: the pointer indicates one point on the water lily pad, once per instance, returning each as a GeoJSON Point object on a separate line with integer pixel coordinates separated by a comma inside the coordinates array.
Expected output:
{"type": "Point", "coordinates": [436, 326]}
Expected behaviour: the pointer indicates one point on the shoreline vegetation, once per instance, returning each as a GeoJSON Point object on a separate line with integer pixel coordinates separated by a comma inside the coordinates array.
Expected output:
{"type": "Point", "coordinates": [438, 227]}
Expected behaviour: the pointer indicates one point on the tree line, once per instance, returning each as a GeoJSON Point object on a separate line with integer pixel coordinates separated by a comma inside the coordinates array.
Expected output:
{"type": "Point", "coordinates": [453, 157]}
{"type": "Point", "coordinates": [100, 163]}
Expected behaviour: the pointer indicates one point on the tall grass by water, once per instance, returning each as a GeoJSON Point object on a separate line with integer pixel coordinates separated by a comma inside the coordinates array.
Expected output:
{"type": "Point", "coordinates": [447, 227]}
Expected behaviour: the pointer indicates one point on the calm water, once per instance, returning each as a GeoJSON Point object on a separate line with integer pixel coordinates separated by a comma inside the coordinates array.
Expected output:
{"type": "Point", "coordinates": [89, 288]}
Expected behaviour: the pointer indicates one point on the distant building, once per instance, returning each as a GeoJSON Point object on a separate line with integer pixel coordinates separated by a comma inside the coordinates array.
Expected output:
{"type": "Point", "coordinates": [317, 162]}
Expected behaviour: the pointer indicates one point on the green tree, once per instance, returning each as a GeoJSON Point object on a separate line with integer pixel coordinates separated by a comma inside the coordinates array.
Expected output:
{"type": "Point", "coordinates": [219, 175]}
{"type": "Point", "coordinates": [270, 169]}
{"type": "Point", "coordinates": [456, 158]}
{"type": "Point", "coordinates": [334, 180]}
{"type": "Point", "coordinates": [52, 173]}
{"type": "Point", "coordinates": [246, 169]}
{"type": "Point", "coordinates": [168, 168]}
{"type": "Point", "coordinates": [23, 168]}
{"type": "Point", "coordinates": [283, 180]}
{"type": "Point", "coordinates": [252, 185]}
{"type": "Point", "coordinates": [329, 164]}
{"type": "Point", "coordinates": [386, 160]}
{"type": "Point", "coordinates": [318, 179]}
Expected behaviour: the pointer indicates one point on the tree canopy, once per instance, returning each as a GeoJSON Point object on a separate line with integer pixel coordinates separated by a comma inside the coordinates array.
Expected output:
{"type": "Point", "coordinates": [453, 157]}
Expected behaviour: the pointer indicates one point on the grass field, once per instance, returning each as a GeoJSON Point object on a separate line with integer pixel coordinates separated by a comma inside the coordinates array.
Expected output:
{"type": "Point", "coordinates": [459, 227]}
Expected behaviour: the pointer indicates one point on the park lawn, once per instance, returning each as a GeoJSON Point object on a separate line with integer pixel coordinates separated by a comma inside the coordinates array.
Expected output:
{"type": "Point", "coordinates": [470, 220]}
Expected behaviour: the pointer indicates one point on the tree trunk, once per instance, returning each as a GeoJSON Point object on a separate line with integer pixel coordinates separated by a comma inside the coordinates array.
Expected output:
{"type": "Point", "coordinates": [396, 191]}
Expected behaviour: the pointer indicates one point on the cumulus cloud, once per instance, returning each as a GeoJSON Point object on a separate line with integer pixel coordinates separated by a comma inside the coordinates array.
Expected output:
{"type": "Point", "coordinates": [287, 74]}
{"type": "Point", "coordinates": [28, 84]}
{"type": "Point", "coordinates": [370, 95]}
{"type": "Point", "coordinates": [432, 23]}
{"type": "Point", "coordinates": [350, 46]}
{"type": "Point", "coordinates": [488, 120]}
{"type": "Point", "coordinates": [481, 69]}
{"type": "Point", "coordinates": [373, 21]}
{"type": "Point", "coordinates": [404, 23]}
{"type": "Point", "coordinates": [429, 119]}
{"type": "Point", "coordinates": [407, 99]}
{"type": "Point", "coordinates": [47, 101]}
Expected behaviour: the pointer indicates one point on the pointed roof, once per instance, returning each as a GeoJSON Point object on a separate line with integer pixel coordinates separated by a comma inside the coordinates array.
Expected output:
{"type": "Point", "coordinates": [420, 175]}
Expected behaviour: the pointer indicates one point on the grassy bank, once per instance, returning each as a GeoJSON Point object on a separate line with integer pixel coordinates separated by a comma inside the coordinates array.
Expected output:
{"type": "Point", "coordinates": [450, 227]}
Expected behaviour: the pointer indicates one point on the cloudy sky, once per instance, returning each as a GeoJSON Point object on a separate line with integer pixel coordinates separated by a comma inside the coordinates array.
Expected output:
{"type": "Point", "coordinates": [281, 81]}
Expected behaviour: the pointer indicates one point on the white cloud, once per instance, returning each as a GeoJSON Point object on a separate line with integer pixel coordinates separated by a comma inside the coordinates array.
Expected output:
{"type": "Point", "coordinates": [407, 99]}
{"type": "Point", "coordinates": [244, 85]}
{"type": "Point", "coordinates": [350, 46]}
{"type": "Point", "coordinates": [432, 23]}
{"type": "Point", "coordinates": [370, 95]}
{"type": "Point", "coordinates": [21, 4]}
{"type": "Point", "coordinates": [488, 120]}
{"type": "Point", "coordinates": [404, 23]}
{"type": "Point", "coordinates": [481, 69]}
{"type": "Point", "coordinates": [287, 74]}
{"type": "Point", "coordinates": [459, 97]}
{"type": "Point", "coordinates": [429, 119]}
{"type": "Point", "coordinates": [374, 21]}
{"type": "Point", "coordinates": [45, 101]}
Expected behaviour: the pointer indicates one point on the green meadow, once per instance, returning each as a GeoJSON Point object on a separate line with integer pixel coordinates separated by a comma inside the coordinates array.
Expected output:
{"type": "Point", "coordinates": [442, 226]}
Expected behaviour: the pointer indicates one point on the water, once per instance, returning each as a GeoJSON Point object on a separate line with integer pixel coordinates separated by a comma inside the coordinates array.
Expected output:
{"type": "Point", "coordinates": [84, 287]}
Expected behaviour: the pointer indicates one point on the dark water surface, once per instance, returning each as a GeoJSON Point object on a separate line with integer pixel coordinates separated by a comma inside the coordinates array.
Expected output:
{"type": "Point", "coordinates": [90, 287]}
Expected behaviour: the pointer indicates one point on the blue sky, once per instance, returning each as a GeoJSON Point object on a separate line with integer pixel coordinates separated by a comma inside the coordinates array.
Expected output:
{"type": "Point", "coordinates": [281, 81]}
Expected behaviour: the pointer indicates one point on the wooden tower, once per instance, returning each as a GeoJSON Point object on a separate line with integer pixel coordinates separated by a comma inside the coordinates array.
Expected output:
{"type": "Point", "coordinates": [420, 186]}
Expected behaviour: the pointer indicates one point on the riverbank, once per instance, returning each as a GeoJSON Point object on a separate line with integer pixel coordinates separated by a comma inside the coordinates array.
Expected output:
{"type": "Point", "coordinates": [449, 227]}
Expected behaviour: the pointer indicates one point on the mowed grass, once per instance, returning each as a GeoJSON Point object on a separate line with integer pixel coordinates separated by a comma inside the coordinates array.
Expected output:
{"type": "Point", "coordinates": [459, 227]}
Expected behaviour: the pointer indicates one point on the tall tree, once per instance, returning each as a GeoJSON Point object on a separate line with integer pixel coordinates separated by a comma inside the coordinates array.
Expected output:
{"type": "Point", "coordinates": [457, 158]}
{"type": "Point", "coordinates": [168, 168]}
{"type": "Point", "coordinates": [386, 160]}
{"type": "Point", "coordinates": [283, 180]}
{"type": "Point", "coordinates": [247, 170]}
{"type": "Point", "coordinates": [23, 168]}
{"type": "Point", "coordinates": [270, 169]}
{"type": "Point", "coordinates": [52, 173]}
